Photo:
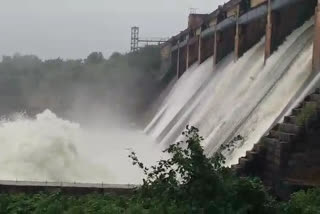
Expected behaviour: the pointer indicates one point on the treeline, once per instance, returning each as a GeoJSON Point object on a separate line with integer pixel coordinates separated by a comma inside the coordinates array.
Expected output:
{"type": "Point", "coordinates": [122, 85]}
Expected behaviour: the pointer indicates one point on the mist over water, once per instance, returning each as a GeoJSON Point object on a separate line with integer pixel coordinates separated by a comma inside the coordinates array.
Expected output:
{"type": "Point", "coordinates": [48, 148]}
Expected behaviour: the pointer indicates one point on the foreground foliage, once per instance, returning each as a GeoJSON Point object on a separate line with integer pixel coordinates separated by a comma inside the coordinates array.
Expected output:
{"type": "Point", "coordinates": [194, 182]}
{"type": "Point", "coordinates": [303, 202]}
{"type": "Point", "coordinates": [187, 182]}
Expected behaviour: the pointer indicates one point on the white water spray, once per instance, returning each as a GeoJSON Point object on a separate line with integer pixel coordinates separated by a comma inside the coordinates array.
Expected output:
{"type": "Point", "coordinates": [48, 148]}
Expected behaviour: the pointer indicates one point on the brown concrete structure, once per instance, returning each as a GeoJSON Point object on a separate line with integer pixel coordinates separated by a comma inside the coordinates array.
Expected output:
{"type": "Point", "coordinates": [182, 60]}
{"type": "Point", "coordinates": [166, 58]}
{"type": "Point", "coordinates": [198, 34]}
{"type": "Point", "coordinates": [207, 48]}
{"type": "Point", "coordinates": [282, 21]}
{"type": "Point", "coordinates": [316, 42]}
{"type": "Point", "coordinates": [250, 34]}
{"type": "Point", "coordinates": [193, 48]}
{"type": "Point", "coordinates": [269, 29]}
{"type": "Point", "coordinates": [288, 157]}
{"type": "Point", "coordinates": [215, 46]}
{"type": "Point", "coordinates": [178, 61]}
{"type": "Point", "coordinates": [195, 20]}
{"type": "Point", "coordinates": [188, 53]}
{"type": "Point", "coordinates": [237, 26]}
{"type": "Point", "coordinates": [226, 38]}
{"type": "Point", "coordinates": [238, 39]}
{"type": "Point", "coordinates": [174, 61]}
{"type": "Point", "coordinates": [255, 3]}
{"type": "Point", "coordinates": [224, 43]}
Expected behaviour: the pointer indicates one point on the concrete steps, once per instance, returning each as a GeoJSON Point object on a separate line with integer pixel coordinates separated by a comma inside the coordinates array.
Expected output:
{"type": "Point", "coordinates": [282, 136]}
{"type": "Point", "coordinates": [289, 128]}
{"type": "Point", "coordinates": [296, 111]}
{"type": "Point", "coordinates": [259, 147]}
{"type": "Point", "coordinates": [312, 103]}
{"type": "Point", "coordinates": [282, 149]}
{"type": "Point", "coordinates": [305, 159]}
{"type": "Point", "coordinates": [270, 141]}
{"type": "Point", "coordinates": [304, 176]}
{"type": "Point", "coordinates": [314, 98]}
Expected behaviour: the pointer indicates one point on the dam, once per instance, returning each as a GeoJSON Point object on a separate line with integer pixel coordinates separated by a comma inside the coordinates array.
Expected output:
{"type": "Point", "coordinates": [241, 70]}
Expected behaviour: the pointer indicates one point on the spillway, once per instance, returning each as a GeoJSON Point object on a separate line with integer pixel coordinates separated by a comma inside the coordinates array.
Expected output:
{"type": "Point", "coordinates": [180, 94]}
{"type": "Point", "coordinates": [237, 98]}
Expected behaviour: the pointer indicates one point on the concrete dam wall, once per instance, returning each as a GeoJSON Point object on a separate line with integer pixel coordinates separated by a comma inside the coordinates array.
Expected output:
{"type": "Point", "coordinates": [240, 70]}
{"type": "Point", "coordinates": [236, 27]}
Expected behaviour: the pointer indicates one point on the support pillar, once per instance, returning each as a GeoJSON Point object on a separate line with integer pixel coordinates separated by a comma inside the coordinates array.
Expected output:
{"type": "Point", "coordinates": [268, 41]}
{"type": "Point", "coordinates": [215, 48]}
{"type": "Point", "coordinates": [188, 53]}
{"type": "Point", "coordinates": [238, 42]}
{"type": "Point", "coordinates": [199, 48]}
{"type": "Point", "coordinates": [178, 61]}
{"type": "Point", "coordinates": [237, 39]}
{"type": "Point", "coordinates": [316, 42]}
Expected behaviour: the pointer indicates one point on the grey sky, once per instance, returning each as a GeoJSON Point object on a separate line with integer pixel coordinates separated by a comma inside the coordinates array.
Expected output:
{"type": "Point", "coordinates": [74, 28]}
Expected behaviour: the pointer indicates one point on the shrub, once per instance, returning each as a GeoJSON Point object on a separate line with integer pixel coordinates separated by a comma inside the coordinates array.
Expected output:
{"type": "Point", "coordinates": [303, 202]}
{"type": "Point", "coordinates": [200, 184]}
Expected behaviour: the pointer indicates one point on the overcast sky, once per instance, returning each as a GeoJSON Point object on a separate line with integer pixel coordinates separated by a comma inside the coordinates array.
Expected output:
{"type": "Point", "coordinates": [74, 28]}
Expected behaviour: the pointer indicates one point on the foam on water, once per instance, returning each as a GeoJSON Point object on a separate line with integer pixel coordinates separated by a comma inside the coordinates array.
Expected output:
{"type": "Point", "coordinates": [48, 148]}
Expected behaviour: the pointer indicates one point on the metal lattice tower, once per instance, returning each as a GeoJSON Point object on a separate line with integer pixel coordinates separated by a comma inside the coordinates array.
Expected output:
{"type": "Point", "coordinates": [134, 39]}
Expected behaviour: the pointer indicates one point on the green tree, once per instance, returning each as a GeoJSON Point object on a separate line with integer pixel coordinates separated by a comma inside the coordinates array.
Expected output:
{"type": "Point", "coordinates": [303, 202]}
{"type": "Point", "coordinates": [95, 58]}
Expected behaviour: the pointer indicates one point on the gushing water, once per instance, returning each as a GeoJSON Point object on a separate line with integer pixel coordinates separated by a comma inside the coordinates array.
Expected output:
{"type": "Point", "coordinates": [241, 98]}
{"type": "Point", "coordinates": [183, 91]}
{"type": "Point", "coordinates": [48, 148]}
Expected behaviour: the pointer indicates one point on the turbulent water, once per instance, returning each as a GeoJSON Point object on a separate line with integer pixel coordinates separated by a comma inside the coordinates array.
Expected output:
{"type": "Point", "coordinates": [47, 148]}
{"type": "Point", "coordinates": [233, 98]}
{"type": "Point", "coordinates": [237, 98]}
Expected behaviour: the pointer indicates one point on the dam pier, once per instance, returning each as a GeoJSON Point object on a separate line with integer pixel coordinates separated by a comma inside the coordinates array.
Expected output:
{"type": "Point", "coordinates": [238, 25]}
